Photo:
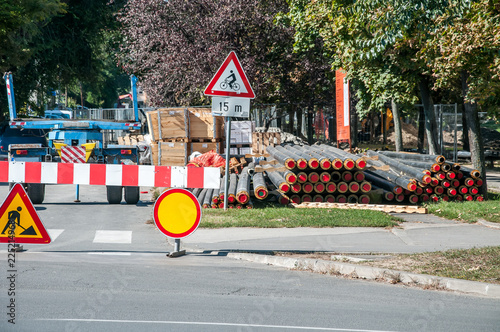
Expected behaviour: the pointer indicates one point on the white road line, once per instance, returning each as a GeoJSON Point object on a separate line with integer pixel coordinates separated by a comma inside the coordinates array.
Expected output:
{"type": "Point", "coordinates": [113, 237]}
{"type": "Point", "coordinates": [209, 324]}
{"type": "Point", "coordinates": [110, 253]}
{"type": "Point", "coordinates": [54, 233]}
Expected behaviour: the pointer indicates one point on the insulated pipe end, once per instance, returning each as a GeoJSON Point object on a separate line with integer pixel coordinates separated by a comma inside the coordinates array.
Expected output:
{"type": "Point", "coordinates": [314, 177]}
{"type": "Point", "coordinates": [325, 177]}
{"type": "Point", "coordinates": [302, 164]}
{"type": "Point", "coordinates": [285, 187]}
{"type": "Point", "coordinates": [341, 199]}
{"type": "Point", "coordinates": [308, 188]}
{"type": "Point", "coordinates": [296, 188]}
{"type": "Point", "coordinates": [306, 198]}
{"type": "Point", "coordinates": [349, 164]}
{"type": "Point", "coordinates": [361, 164]}
{"type": "Point", "coordinates": [242, 198]}
{"type": "Point", "coordinates": [331, 187]}
{"type": "Point", "coordinates": [261, 193]}
{"type": "Point", "coordinates": [366, 187]}
{"type": "Point", "coordinates": [347, 177]}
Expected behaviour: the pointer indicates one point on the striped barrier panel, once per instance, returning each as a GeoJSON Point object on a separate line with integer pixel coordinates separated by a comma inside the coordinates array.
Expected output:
{"type": "Point", "coordinates": [110, 174]}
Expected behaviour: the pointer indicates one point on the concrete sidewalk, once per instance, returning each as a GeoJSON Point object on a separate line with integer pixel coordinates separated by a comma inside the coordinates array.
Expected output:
{"type": "Point", "coordinates": [420, 233]}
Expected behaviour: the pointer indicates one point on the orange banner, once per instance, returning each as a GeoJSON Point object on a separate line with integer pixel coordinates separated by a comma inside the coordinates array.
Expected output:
{"type": "Point", "coordinates": [342, 98]}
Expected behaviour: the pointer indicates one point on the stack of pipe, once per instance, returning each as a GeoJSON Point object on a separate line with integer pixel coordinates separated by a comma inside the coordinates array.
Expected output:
{"type": "Point", "coordinates": [433, 178]}
{"type": "Point", "coordinates": [321, 173]}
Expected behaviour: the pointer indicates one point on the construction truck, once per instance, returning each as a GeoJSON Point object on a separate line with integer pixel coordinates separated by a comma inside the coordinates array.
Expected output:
{"type": "Point", "coordinates": [77, 140]}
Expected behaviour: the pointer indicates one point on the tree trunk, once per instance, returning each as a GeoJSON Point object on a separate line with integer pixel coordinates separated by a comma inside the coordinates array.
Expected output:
{"type": "Point", "coordinates": [430, 119]}
{"type": "Point", "coordinates": [397, 127]}
{"type": "Point", "coordinates": [474, 133]}
{"type": "Point", "coordinates": [421, 130]}
{"type": "Point", "coordinates": [465, 131]}
{"type": "Point", "coordinates": [291, 115]}
{"type": "Point", "coordinates": [383, 119]}
{"type": "Point", "coordinates": [353, 127]}
{"type": "Point", "coordinates": [310, 131]}
{"type": "Point", "coordinates": [279, 115]}
{"type": "Point", "coordinates": [299, 123]}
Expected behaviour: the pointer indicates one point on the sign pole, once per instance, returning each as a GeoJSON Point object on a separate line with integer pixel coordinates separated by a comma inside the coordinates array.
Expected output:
{"type": "Point", "coordinates": [228, 141]}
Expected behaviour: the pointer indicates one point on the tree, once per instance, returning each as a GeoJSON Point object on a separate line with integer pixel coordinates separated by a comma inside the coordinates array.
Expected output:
{"type": "Point", "coordinates": [70, 50]}
{"type": "Point", "coordinates": [175, 48]}
{"type": "Point", "coordinates": [467, 51]}
{"type": "Point", "coordinates": [21, 21]}
{"type": "Point", "coordinates": [376, 42]}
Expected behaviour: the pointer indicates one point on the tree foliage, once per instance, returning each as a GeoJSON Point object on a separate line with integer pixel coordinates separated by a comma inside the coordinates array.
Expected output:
{"type": "Point", "coordinates": [20, 22]}
{"type": "Point", "coordinates": [471, 44]}
{"type": "Point", "coordinates": [175, 47]}
{"type": "Point", "coordinates": [70, 49]}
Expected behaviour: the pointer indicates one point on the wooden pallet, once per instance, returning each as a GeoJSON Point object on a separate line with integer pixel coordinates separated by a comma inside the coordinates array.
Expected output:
{"type": "Point", "coordinates": [375, 207]}
{"type": "Point", "coordinates": [260, 141]}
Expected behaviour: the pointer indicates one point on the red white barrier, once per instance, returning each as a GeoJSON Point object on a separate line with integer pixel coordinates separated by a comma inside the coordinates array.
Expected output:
{"type": "Point", "coordinates": [110, 174]}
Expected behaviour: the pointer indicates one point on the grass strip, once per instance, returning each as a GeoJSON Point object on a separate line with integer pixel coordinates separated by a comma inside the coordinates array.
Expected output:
{"type": "Point", "coordinates": [476, 264]}
{"type": "Point", "coordinates": [275, 217]}
{"type": "Point", "coordinates": [468, 211]}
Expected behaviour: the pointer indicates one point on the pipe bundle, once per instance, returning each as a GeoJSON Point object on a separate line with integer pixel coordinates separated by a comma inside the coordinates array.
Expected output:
{"type": "Point", "coordinates": [428, 177]}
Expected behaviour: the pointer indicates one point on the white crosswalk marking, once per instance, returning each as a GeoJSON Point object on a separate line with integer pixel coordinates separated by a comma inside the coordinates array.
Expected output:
{"type": "Point", "coordinates": [102, 236]}
{"type": "Point", "coordinates": [54, 233]}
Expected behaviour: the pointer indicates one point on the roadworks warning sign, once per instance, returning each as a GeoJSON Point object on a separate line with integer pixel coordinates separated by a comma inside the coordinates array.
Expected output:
{"type": "Point", "coordinates": [19, 222]}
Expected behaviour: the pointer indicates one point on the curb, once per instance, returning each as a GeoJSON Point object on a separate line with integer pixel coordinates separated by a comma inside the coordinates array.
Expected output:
{"type": "Point", "coordinates": [488, 224]}
{"type": "Point", "coordinates": [374, 273]}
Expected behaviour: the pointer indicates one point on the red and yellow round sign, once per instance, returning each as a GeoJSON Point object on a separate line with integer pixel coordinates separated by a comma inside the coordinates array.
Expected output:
{"type": "Point", "coordinates": [177, 213]}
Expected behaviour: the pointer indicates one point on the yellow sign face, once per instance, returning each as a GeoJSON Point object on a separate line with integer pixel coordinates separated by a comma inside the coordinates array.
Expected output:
{"type": "Point", "coordinates": [19, 222]}
{"type": "Point", "coordinates": [177, 213]}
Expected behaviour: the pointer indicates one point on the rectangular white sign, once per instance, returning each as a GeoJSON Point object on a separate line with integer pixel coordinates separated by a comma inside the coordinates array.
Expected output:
{"type": "Point", "coordinates": [231, 106]}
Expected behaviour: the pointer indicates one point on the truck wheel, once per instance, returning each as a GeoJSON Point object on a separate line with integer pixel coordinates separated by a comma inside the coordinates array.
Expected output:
{"type": "Point", "coordinates": [114, 194]}
{"type": "Point", "coordinates": [36, 192]}
{"type": "Point", "coordinates": [132, 195]}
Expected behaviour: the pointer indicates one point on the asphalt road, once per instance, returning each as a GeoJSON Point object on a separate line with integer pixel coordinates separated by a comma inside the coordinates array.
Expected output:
{"type": "Point", "coordinates": [106, 270]}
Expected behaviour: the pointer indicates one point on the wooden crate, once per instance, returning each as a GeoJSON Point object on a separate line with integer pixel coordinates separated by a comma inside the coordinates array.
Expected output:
{"type": "Point", "coordinates": [168, 123]}
{"type": "Point", "coordinates": [203, 125]}
{"type": "Point", "coordinates": [262, 140]}
{"type": "Point", "coordinates": [203, 147]}
{"type": "Point", "coordinates": [170, 153]}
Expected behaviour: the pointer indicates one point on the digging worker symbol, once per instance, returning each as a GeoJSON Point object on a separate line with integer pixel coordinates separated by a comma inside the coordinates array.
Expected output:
{"type": "Point", "coordinates": [13, 216]}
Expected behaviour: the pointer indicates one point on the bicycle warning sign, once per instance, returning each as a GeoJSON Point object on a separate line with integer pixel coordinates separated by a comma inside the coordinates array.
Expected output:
{"type": "Point", "coordinates": [230, 80]}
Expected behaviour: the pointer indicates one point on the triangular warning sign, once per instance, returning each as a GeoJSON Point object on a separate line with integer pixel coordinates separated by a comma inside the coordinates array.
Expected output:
{"type": "Point", "coordinates": [230, 80]}
{"type": "Point", "coordinates": [19, 222]}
